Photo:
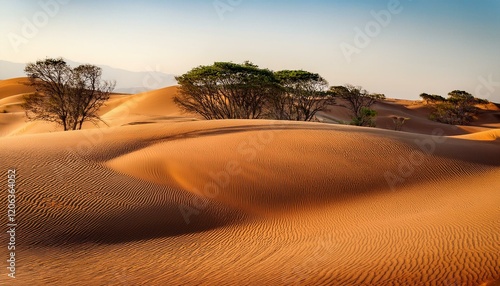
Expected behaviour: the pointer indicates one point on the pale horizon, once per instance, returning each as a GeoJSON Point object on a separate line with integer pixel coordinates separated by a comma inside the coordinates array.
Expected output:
{"type": "Point", "coordinates": [229, 174]}
{"type": "Point", "coordinates": [422, 47]}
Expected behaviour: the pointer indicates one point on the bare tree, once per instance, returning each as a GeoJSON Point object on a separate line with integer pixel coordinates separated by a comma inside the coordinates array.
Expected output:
{"type": "Point", "coordinates": [51, 79]}
{"type": "Point", "coordinates": [358, 101]}
{"type": "Point", "coordinates": [89, 94]}
{"type": "Point", "coordinates": [64, 95]}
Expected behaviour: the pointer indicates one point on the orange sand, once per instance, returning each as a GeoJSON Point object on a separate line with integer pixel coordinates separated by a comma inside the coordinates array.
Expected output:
{"type": "Point", "coordinates": [160, 198]}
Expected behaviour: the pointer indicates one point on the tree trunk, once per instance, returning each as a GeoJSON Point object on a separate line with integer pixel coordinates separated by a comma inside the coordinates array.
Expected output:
{"type": "Point", "coordinates": [65, 125]}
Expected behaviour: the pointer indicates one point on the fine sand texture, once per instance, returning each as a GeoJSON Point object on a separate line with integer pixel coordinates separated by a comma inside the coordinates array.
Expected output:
{"type": "Point", "coordinates": [159, 197]}
{"type": "Point", "coordinates": [254, 203]}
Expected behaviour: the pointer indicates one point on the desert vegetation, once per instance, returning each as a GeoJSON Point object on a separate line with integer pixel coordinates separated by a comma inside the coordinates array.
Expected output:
{"type": "Point", "coordinates": [399, 121]}
{"type": "Point", "coordinates": [71, 96]}
{"type": "Point", "coordinates": [302, 94]}
{"type": "Point", "coordinates": [197, 192]}
{"type": "Point", "coordinates": [245, 91]}
{"type": "Point", "coordinates": [458, 109]}
{"type": "Point", "coordinates": [226, 91]}
{"type": "Point", "coordinates": [358, 101]}
{"type": "Point", "coordinates": [65, 95]}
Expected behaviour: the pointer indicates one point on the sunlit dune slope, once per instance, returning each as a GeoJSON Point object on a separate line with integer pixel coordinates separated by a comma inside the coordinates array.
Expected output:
{"type": "Point", "coordinates": [11, 94]}
{"type": "Point", "coordinates": [158, 106]}
{"type": "Point", "coordinates": [417, 117]}
{"type": "Point", "coordinates": [14, 86]}
{"type": "Point", "coordinates": [490, 135]}
{"type": "Point", "coordinates": [120, 109]}
{"type": "Point", "coordinates": [251, 202]}
{"type": "Point", "coordinates": [323, 152]}
{"type": "Point", "coordinates": [144, 107]}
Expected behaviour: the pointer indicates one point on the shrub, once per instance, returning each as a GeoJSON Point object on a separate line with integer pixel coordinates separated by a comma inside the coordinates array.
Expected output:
{"type": "Point", "coordinates": [358, 101]}
{"type": "Point", "coordinates": [399, 121]}
{"type": "Point", "coordinates": [366, 118]}
{"type": "Point", "coordinates": [458, 109]}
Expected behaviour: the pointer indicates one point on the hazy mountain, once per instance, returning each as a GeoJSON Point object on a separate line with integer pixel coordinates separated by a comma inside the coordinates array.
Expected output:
{"type": "Point", "coordinates": [126, 81]}
{"type": "Point", "coordinates": [11, 70]}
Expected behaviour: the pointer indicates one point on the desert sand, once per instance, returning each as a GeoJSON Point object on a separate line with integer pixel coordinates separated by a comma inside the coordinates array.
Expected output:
{"type": "Point", "coordinates": [158, 197]}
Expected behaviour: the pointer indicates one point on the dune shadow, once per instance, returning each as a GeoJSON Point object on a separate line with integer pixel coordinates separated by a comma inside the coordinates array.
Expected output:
{"type": "Point", "coordinates": [129, 225]}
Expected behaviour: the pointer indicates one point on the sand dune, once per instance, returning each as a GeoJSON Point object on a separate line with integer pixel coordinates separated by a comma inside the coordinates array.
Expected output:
{"type": "Point", "coordinates": [14, 86]}
{"type": "Point", "coordinates": [13, 121]}
{"type": "Point", "coordinates": [158, 197]}
{"type": "Point", "coordinates": [158, 106]}
{"type": "Point", "coordinates": [418, 117]}
{"type": "Point", "coordinates": [289, 204]}
{"type": "Point", "coordinates": [490, 135]}
{"type": "Point", "coordinates": [11, 97]}
{"type": "Point", "coordinates": [149, 106]}
{"type": "Point", "coordinates": [121, 109]}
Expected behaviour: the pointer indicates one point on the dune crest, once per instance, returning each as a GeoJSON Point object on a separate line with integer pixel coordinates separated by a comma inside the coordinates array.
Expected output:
{"type": "Point", "coordinates": [270, 202]}
{"type": "Point", "coordinates": [159, 197]}
{"type": "Point", "coordinates": [490, 135]}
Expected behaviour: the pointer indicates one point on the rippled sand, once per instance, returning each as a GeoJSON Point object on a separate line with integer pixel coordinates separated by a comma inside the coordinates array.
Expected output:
{"type": "Point", "coordinates": [163, 200]}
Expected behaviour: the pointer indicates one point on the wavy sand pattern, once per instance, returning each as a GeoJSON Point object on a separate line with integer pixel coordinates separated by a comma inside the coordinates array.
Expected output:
{"type": "Point", "coordinates": [268, 202]}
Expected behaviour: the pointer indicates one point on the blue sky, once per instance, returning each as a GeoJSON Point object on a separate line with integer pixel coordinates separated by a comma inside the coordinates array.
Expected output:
{"type": "Point", "coordinates": [427, 45]}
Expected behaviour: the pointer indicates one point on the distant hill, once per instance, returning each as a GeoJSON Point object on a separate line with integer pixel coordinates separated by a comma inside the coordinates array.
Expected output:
{"type": "Point", "coordinates": [11, 70]}
{"type": "Point", "coordinates": [126, 81]}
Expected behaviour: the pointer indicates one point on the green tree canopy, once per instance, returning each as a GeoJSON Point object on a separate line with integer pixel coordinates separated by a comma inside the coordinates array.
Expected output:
{"type": "Point", "coordinates": [432, 98]}
{"type": "Point", "coordinates": [245, 91]}
{"type": "Point", "coordinates": [226, 90]}
{"type": "Point", "coordinates": [458, 109]}
{"type": "Point", "coordinates": [303, 95]}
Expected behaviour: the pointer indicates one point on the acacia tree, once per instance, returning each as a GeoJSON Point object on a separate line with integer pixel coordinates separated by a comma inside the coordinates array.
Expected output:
{"type": "Point", "coordinates": [245, 91]}
{"type": "Point", "coordinates": [358, 101]}
{"type": "Point", "coordinates": [458, 109]}
{"type": "Point", "coordinates": [226, 90]}
{"type": "Point", "coordinates": [302, 95]}
{"type": "Point", "coordinates": [432, 98]}
{"type": "Point", "coordinates": [64, 95]}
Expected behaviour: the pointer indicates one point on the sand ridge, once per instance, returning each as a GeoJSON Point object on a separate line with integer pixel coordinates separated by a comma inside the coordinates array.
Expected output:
{"type": "Point", "coordinates": [159, 197]}
{"type": "Point", "coordinates": [330, 220]}
{"type": "Point", "coordinates": [158, 106]}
